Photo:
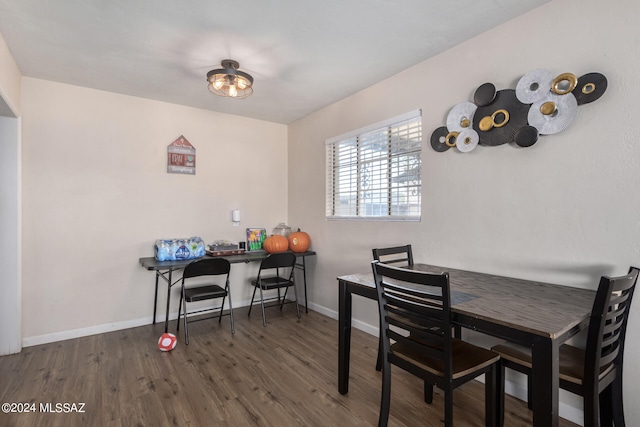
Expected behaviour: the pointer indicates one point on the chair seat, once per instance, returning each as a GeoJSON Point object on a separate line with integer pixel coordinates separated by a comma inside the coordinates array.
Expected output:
{"type": "Point", "coordinates": [202, 293]}
{"type": "Point", "coordinates": [467, 358]}
{"type": "Point", "coordinates": [571, 367]}
{"type": "Point", "coordinates": [273, 282]}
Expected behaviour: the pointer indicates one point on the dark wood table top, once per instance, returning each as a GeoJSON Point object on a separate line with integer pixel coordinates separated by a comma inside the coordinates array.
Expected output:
{"type": "Point", "coordinates": [533, 307]}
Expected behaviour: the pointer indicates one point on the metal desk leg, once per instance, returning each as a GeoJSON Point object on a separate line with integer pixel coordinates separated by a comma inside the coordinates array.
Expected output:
{"type": "Point", "coordinates": [155, 299]}
{"type": "Point", "coordinates": [344, 336]}
{"type": "Point", "coordinates": [304, 279]}
{"type": "Point", "coordinates": [545, 358]}
{"type": "Point", "coordinates": [303, 267]}
{"type": "Point", "coordinates": [169, 282]}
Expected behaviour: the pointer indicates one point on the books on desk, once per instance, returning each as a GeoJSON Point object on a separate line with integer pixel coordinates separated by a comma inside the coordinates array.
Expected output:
{"type": "Point", "coordinates": [227, 248]}
{"type": "Point", "coordinates": [225, 252]}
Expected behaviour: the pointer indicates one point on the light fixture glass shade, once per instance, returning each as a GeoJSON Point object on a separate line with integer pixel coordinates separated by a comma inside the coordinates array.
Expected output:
{"type": "Point", "coordinates": [229, 82]}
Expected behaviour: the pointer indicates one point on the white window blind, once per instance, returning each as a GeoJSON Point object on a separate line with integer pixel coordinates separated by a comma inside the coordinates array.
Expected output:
{"type": "Point", "coordinates": [374, 173]}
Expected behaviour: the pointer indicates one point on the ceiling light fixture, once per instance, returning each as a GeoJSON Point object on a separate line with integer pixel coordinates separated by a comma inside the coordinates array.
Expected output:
{"type": "Point", "coordinates": [229, 82]}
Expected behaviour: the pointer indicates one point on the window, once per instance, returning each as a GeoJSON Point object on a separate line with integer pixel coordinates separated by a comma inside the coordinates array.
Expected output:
{"type": "Point", "coordinates": [374, 173]}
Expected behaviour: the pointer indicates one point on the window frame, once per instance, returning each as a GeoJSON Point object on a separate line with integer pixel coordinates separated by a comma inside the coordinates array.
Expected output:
{"type": "Point", "coordinates": [332, 178]}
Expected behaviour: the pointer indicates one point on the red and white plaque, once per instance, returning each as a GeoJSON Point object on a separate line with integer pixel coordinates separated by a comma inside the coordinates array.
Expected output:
{"type": "Point", "coordinates": [181, 157]}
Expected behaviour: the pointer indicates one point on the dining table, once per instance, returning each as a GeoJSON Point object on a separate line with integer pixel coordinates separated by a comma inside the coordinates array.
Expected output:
{"type": "Point", "coordinates": [540, 315]}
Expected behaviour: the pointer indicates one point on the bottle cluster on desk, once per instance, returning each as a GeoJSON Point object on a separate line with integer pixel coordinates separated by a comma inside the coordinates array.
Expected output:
{"type": "Point", "coordinates": [179, 249]}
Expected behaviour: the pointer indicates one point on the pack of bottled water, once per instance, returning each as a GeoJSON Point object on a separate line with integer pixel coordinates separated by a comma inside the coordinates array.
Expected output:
{"type": "Point", "coordinates": [179, 249]}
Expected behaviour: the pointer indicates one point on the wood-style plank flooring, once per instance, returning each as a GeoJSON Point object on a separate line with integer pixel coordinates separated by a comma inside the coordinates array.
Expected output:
{"type": "Point", "coordinates": [281, 375]}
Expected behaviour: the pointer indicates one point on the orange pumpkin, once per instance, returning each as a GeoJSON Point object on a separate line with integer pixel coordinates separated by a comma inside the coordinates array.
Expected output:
{"type": "Point", "coordinates": [275, 243]}
{"type": "Point", "coordinates": [299, 241]}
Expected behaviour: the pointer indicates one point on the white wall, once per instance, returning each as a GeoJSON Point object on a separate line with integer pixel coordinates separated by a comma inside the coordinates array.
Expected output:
{"type": "Point", "coordinates": [96, 196]}
{"type": "Point", "coordinates": [566, 210]}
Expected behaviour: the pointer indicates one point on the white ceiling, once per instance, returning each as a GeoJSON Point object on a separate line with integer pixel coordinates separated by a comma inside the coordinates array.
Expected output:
{"type": "Point", "coordinates": [303, 54]}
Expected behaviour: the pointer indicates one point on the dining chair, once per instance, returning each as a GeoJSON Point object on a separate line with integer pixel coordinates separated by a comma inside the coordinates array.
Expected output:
{"type": "Point", "coordinates": [204, 291]}
{"type": "Point", "coordinates": [595, 372]}
{"type": "Point", "coordinates": [394, 255]}
{"type": "Point", "coordinates": [411, 302]}
{"type": "Point", "coordinates": [276, 272]}
{"type": "Point", "coordinates": [402, 256]}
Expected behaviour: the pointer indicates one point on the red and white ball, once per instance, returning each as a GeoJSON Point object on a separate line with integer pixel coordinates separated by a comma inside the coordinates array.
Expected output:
{"type": "Point", "coordinates": [167, 342]}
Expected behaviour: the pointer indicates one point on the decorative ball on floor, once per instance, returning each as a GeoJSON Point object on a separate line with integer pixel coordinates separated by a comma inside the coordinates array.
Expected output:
{"type": "Point", "coordinates": [167, 342]}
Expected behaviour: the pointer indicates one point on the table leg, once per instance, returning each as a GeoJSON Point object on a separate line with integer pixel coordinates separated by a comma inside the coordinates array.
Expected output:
{"type": "Point", "coordinates": [166, 320]}
{"type": "Point", "coordinates": [304, 279]}
{"type": "Point", "coordinates": [545, 383]}
{"type": "Point", "coordinates": [155, 299]}
{"type": "Point", "coordinates": [344, 336]}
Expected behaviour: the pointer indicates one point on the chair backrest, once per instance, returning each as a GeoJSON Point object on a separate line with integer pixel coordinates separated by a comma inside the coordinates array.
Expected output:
{"type": "Point", "coordinates": [206, 267]}
{"type": "Point", "coordinates": [394, 255]}
{"type": "Point", "coordinates": [417, 305]}
{"type": "Point", "coordinates": [608, 324]}
{"type": "Point", "coordinates": [277, 261]}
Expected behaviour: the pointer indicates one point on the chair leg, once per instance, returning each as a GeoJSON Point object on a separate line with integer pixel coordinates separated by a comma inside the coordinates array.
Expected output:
{"type": "Point", "coordinates": [448, 408]}
{"type": "Point", "coordinates": [379, 358]}
{"type": "Point", "coordinates": [385, 400]}
{"type": "Point", "coordinates": [221, 310]}
{"type": "Point", "coordinates": [295, 294]}
{"type": "Point", "coordinates": [428, 392]}
{"type": "Point", "coordinates": [591, 409]}
{"type": "Point", "coordinates": [179, 310]}
{"type": "Point", "coordinates": [184, 316]}
{"type": "Point", "coordinates": [617, 407]}
{"type": "Point", "coordinates": [264, 317]}
{"type": "Point", "coordinates": [233, 326]}
{"type": "Point", "coordinates": [252, 297]}
{"type": "Point", "coordinates": [606, 408]}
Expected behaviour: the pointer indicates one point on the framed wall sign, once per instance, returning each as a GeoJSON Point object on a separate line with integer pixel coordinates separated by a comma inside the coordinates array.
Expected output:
{"type": "Point", "coordinates": [181, 157]}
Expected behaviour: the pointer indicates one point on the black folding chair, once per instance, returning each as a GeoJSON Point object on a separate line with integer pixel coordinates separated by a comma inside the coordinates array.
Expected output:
{"type": "Point", "coordinates": [276, 272]}
{"type": "Point", "coordinates": [206, 291]}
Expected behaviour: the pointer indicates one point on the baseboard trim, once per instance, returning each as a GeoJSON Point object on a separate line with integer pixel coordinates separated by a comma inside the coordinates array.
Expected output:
{"type": "Point", "coordinates": [84, 332]}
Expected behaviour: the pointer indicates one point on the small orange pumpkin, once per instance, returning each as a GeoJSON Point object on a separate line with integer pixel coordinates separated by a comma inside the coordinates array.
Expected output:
{"type": "Point", "coordinates": [299, 241]}
{"type": "Point", "coordinates": [275, 243]}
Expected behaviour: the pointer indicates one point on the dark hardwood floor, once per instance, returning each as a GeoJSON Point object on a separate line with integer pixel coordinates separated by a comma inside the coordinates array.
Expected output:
{"type": "Point", "coordinates": [281, 375]}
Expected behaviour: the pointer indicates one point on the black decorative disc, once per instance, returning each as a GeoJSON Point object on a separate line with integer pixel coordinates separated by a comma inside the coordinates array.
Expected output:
{"type": "Point", "coordinates": [438, 139]}
{"type": "Point", "coordinates": [505, 100]}
{"type": "Point", "coordinates": [526, 136]}
{"type": "Point", "coordinates": [485, 94]}
{"type": "Point", "coordinates": [590, 87]}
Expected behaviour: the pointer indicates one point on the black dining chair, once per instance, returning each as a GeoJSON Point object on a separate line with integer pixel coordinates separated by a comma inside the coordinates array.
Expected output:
{"type": "Point", "coordinates": [595, 372]}
{"type": "Point", "coordinates": [395, 255]}
{"type": "Point", "coordinates": [276, 272]}
{"type": "Point", "coordinates": [410, 303]}
{"type": "Point", "coordinates": [204, 291]}
{"type": "Point", "coordinates": [401, 256]}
